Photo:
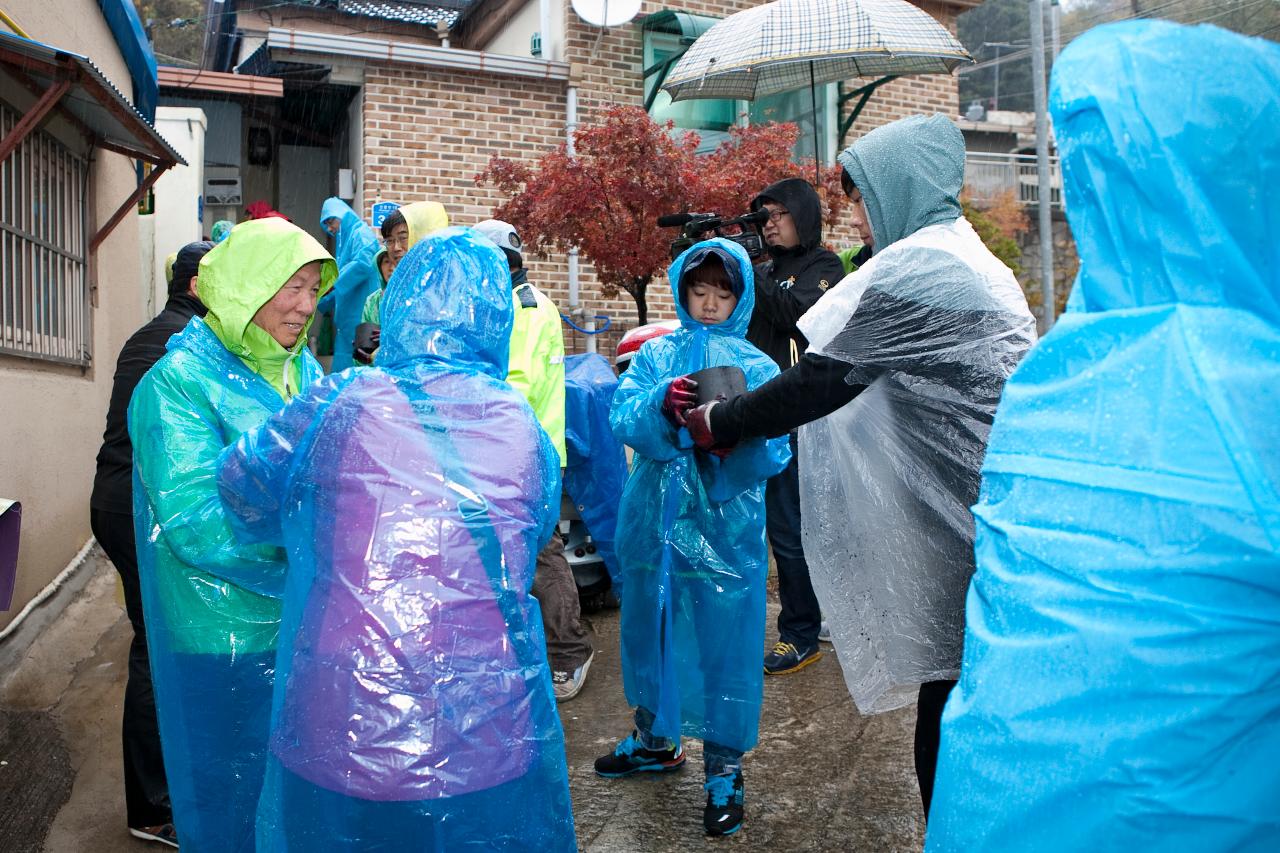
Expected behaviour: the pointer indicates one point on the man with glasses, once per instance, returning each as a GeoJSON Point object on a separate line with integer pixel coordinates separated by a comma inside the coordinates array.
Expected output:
{"type": "Point", "coordinates": [799, 270]}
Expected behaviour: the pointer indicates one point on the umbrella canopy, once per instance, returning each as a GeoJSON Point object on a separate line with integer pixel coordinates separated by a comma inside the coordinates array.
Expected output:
{"type": "Point", "coordinates": [790, 44]}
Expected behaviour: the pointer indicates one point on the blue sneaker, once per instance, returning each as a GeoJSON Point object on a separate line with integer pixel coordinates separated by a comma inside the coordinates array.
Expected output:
{"type": "Point", "coordinates": [724, 811]}
{"type": "Point", "coordinates": [630, 756]}
{"type": "Point", "coordinates": [787, 658]}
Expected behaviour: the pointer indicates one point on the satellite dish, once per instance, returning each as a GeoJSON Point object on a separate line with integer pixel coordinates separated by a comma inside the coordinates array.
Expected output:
{"type": "Point", "coordinates": [606, 13]}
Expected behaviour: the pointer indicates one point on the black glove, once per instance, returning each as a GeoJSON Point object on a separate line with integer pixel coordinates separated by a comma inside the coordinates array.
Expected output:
{"type": "Point", "coordinates": [368, 338]}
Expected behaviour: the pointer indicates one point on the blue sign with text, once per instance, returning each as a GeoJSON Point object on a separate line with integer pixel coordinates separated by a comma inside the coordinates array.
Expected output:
{"type": "Point", "coordinates": [381, 211]}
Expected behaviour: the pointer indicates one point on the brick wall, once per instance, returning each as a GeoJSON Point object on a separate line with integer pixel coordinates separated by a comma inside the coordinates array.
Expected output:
{"type": "Point", "coordinates": [428, 132]}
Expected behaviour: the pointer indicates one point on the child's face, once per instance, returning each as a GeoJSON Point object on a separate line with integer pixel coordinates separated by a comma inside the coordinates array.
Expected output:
{"type": "Point", "coordinates": [386, 266]}
{"type": "Point", "coordinates": [710, 303]}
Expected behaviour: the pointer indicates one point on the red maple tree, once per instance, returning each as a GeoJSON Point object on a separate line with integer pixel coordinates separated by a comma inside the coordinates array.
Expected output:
{"type": "Point", "coordinates": [626, 172]}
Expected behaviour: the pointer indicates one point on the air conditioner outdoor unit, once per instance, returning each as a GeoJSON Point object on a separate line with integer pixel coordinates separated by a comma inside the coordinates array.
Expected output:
{"type": "Point", "coordinates": [223, 190]}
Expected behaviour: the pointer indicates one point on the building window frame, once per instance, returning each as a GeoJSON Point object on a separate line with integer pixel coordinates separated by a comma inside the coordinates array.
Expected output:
{"type": "Point", "coordinates": [666, 36]}
{"type": "Point", "coordinates": [45, 307]}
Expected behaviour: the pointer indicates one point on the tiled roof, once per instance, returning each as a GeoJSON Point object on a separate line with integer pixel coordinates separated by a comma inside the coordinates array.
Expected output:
{"type": "Point", "coordinates": [407, 12]}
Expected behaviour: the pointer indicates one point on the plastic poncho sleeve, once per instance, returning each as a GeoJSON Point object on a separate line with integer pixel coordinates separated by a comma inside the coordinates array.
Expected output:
{"type": "Point", "coordinates": [372, 312]}
{"type": "Point", "coordinates": [744, 468]}
{"type": "Point", "coordinates": [253, 473]}
{"type": "Point", "coordinates": [176, 445]}
{"type": "Point", "coordinates": [636, 417]}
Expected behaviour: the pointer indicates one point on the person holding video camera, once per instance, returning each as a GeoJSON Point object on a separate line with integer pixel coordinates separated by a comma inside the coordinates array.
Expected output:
{"type": "Point", "coordinates": [799, 270]}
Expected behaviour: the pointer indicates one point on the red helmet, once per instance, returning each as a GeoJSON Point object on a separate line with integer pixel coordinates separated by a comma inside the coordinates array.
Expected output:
{"type": "Point", "coordinates": [634, 339]}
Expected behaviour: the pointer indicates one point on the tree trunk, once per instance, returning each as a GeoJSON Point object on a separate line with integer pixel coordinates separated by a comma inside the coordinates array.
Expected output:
{"type": "Point", "coordinates": [639, 290]}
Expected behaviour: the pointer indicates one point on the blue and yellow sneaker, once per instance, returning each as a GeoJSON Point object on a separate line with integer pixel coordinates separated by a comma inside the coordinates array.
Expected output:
{"type": "Point", "coordinates": [787, 658]}
{"type": "Point", "coordinates": [630, 756]}
{"type": "Point", "coordinates": [724, 811]}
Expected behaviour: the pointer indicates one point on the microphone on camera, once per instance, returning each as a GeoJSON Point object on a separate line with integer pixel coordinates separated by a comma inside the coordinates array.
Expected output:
{"type": "Point", "coordinates": [674, 220]}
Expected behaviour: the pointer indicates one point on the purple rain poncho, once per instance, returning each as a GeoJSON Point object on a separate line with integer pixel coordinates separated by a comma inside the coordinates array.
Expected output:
{"type": "Point", "coordinates": [413, 706]}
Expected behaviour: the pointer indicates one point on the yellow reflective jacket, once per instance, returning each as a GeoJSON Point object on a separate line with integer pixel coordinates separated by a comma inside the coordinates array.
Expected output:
{"type": "Point", "coordinates": [536, 366]}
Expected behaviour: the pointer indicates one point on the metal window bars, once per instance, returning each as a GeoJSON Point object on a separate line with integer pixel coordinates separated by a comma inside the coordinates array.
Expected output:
{"type": "Point", "coordinates": [44, 292]}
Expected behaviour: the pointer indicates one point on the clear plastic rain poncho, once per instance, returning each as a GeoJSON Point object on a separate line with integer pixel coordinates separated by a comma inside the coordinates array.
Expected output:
{"type": "Point", "coordinates": [933, 324]}
{"type": "Point", "coordinates": [1121, 679]}
{"type": "Point", "coordinates": [691, 534]}
{"type": "Point", "coordinates": [597, 466]}
{"type": "Point", "coordinates": [413, 706]}
{"type": "Point", "coordinates": [213, 605]}
{"type": "Point", "coordinates": [358, 277]}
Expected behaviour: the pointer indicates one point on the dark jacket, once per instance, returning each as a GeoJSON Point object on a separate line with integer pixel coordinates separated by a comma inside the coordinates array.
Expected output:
{"type": "Point", "coordinates": [792, 279]}
{"type": "Point", "coordinates": [113, 484]}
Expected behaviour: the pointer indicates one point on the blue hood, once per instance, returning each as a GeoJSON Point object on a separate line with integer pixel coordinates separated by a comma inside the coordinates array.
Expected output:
{"type": "Point", "coordinates": [738, 264]}
{"type": "Point", "coordinates": [355, 239]}
{"type": "Point", "coordinates": [449, 300]}
{"type": "Point", "coordinates": [1169, 204]}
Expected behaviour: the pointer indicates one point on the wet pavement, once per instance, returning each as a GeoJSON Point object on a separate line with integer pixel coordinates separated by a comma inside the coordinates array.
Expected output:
{"type": "Point", "coordinates": [823, 778]}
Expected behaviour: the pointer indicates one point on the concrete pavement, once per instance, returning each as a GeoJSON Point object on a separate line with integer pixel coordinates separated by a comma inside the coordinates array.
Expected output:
{"type": "Point", "coordinates": [823, 778]}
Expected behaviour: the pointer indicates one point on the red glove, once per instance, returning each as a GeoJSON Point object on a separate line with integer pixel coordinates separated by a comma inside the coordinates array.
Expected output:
{"type": "Point", "coordinates": [681, 396]}
{"type": "Point", "coordinates": [698, 422]}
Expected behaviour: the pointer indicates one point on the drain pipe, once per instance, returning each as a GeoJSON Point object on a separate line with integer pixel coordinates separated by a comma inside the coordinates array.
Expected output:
{"type": "Point", "coordinates": [576, 310]}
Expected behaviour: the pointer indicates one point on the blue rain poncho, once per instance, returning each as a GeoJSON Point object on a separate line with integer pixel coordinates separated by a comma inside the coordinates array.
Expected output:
{"type": "Point", "coordinates": [358, 277]}
{"type": "Point", "coordinates": [355, 238]}
{"type": "Point", "coordinates": [597, 466]}
{"type": "Point", "coordinates": [1121, 679]}
{"type": "Point", "coordinates": [691, 533]}
{"type": "Point", "coordinates": [413, 706]}
{"type": "Point", "coordinates": [213, 605]}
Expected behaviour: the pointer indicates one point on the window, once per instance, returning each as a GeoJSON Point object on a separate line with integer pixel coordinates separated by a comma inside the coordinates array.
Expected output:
{"type": "Point", "coordinates": [667, 35]}
{"type": "Point", "coordinates": [798, 107]}
{"type": "Point", "coordinates": [711, 119]}
{"type": "Point", "coordinates": [44, 295]}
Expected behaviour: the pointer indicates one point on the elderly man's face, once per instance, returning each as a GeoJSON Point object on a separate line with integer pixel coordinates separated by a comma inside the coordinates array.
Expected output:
{"type": "Point", "coordinates": [332, 224]}
{"type": "Point", "coordinates": [286, 314]}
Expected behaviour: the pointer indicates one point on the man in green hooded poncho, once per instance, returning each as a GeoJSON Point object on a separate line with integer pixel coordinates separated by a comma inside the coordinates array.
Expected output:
{"type": "Point", "coordinates": [213, 605]}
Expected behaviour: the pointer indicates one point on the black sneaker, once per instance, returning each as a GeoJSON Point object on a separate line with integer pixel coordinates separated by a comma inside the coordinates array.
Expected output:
{"type": "Point", "coordinates": [723, 814]}
{"type": "Point", "coordinates": [630, 756]}
{"type": "Point", "coordinates": [787, 658]}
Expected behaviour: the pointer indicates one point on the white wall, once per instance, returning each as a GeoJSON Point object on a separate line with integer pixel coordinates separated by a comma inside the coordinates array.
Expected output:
{"type": "Point", "coordinates": [179, 209]}
{"type": "Point", "coordinates": [513, 39]}
{"type": "Point", "coordinates": [56, 413]}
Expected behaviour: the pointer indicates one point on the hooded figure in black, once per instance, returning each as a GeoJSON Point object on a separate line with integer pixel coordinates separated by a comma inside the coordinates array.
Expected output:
{"type": "Point", "coordinates": [111, 517]}
{"type": "Point", "coordinates": [798, 272]}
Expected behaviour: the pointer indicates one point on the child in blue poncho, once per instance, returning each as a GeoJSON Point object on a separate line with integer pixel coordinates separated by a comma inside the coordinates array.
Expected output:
{"type": "Point", "coordinates": [692, 542]}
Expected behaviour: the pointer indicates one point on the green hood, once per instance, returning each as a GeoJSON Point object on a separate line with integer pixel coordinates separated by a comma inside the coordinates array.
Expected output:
{"type": "Point", "coordinates": [242, 273]}
{"type": "Point", "coordinates": [909, 173]}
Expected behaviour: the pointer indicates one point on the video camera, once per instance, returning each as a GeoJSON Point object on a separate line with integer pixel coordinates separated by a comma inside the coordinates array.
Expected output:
{"type": "Point", "coordinates": [694, 226]}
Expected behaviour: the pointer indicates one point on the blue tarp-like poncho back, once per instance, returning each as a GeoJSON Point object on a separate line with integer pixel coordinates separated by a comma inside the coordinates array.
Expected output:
{"type": "Point", "coordinates": [1121, 680]}
{"type": "Point", "coordinates": [357, 277]}
{"type": "Point", "coordinates": [691, 535]}
{"type": "Point", "coordinates": [413, 707]}
{"type": "Point", "coordinates": [597, 466]}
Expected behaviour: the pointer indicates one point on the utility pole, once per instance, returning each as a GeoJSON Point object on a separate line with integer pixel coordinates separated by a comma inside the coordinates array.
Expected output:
{"type": "Point", "coordinates": [1036, 10]}
{"type": "Point", "coordinates": [1056, 20]}
{"type": "Point", "coordinates": [997, 45]}
{"type": "Point", "coordinates": [997, 92]}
